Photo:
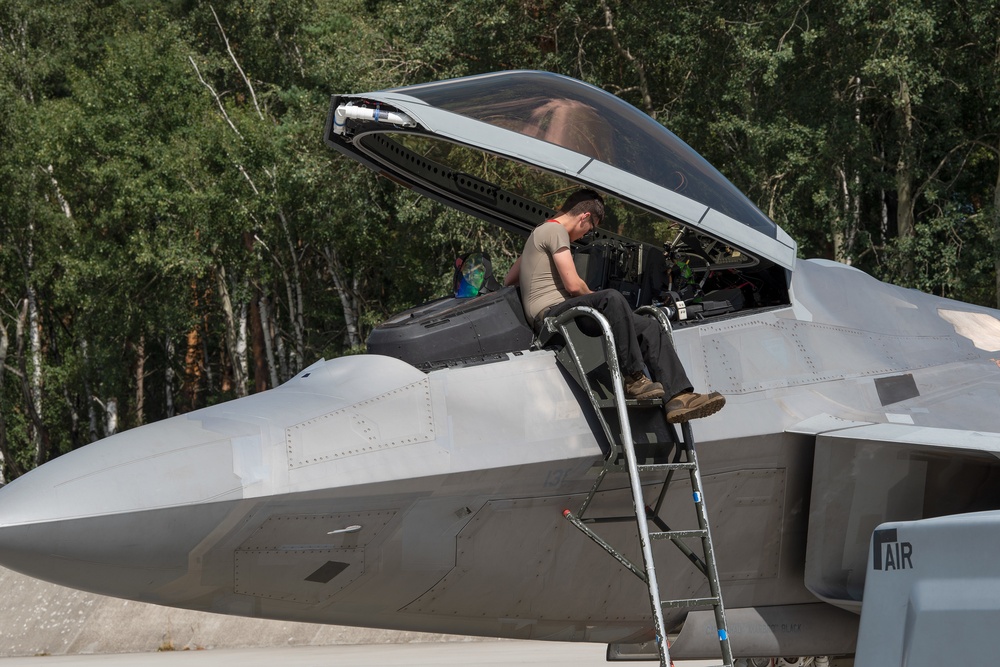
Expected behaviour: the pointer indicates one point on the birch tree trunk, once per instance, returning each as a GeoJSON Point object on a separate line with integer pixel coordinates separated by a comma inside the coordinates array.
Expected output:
{"type": "Point", "coordinates": [268, 336]}
{"type": "Point", "coordinates": [845, 227]}
{"type": "Point", "coordinates": [296, 301]}
{"type": "Point", "coordinates": [9, 468]}
{"type": "Point", "coordinates": [4, 340]}
{"type": "Point", "coordinates": [140, 381]}
{"type": "Point", "coordinates": [168, 378]}
{"type": "Point", "coordinates": [257, 324]}
{"type": "Point", "coordinates": [348, 298]}
{"type": "Point", "coordinates": [905, 225]}
{"type": "Point", "coordinates": [241, 350]}
{"type": "Point", "coordinates": [91, 410]}
{"type": "Point", "coordinates": [40, 434]}
{"type": "Point", "coordinates": [193, 355]}
{"type": "Point", "coordinates": [111, 421]}
{"type": "Point", "coordinates": [883, 219]}
{"type": "Point", "coordinates": [5, 459]}
{"type": "Point", "coordinates": [75, 441]}
{"type": "Point", "coordinates": [35, 338]}
{"type": "Point", "coordinates": [260, 356]}
{"type": "Point", "coordinates": [626, 55]}
{"type": "Point", "coordinates": [996, 231]}
{"type": "Point", "coordinates": [206, 364]}
{"type": "Point", "coordinates": [110, 415]}
{"type": "Point", "coordinates": [837, 232]}
{"type": "Point", "coordinates": [282, 354]}
{"type": "Point", "coordinates": [234, 337]}
{"type": "Point", "coordinates": [192, 368]}
{"type": "Point", "coordinates": [844, 235]}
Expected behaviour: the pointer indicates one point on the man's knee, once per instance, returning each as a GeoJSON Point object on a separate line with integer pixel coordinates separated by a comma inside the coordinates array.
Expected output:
{"type": "Point", "coordinates": [613, 301]}
{"type": "Point", "coordinates": [647, 327]}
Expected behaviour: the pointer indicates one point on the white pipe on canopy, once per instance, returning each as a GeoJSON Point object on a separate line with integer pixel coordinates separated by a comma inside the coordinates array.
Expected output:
{"type": "Point", "coordinates": [378, 115]}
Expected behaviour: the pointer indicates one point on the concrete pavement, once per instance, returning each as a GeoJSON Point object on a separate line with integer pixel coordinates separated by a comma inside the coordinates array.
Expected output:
{"type": "Point", "coordinates": [500, 653]}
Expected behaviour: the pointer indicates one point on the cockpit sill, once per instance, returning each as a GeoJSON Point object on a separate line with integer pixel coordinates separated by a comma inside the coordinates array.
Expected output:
{"type": "Point", "coordinates": [498, 357]}
{"type": "Point", "coordinates": [454, 332]}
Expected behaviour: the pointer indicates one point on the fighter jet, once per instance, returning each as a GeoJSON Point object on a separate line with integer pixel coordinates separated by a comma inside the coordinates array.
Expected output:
{"type": "Point", "coordinates": [422, 486]}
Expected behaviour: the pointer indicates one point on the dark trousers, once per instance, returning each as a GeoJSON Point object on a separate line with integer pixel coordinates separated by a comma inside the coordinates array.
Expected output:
{"type": "Point", "coordinates": [638, 338]}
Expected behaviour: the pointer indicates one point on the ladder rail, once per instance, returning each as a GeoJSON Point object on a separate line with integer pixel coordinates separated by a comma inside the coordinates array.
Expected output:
{"type": "Point", "coordinates": [661, 317]}
{"type": "Point", "coordinates": [559, 324]}
{"type": "Point", "coordinates": [714, 584]}
{"type": "Point", "coordinates": [638, 501]}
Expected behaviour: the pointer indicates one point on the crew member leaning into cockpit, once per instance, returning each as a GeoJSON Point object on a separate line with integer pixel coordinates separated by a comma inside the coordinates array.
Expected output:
{"type": "Point", "coordinates": [550, 285]}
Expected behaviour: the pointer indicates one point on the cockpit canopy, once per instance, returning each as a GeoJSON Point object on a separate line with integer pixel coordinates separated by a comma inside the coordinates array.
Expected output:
{"type": "Point", "coordinates": [558, 125]}
{"type": "Point", "coordinates": [591, 122]}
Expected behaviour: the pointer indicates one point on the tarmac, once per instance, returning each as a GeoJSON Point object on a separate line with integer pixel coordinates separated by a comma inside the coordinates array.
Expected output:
{"type": "Point", "coordinates": [499, 653]}
{"type": "Point", "coordinates": [39, 618]}
{"type": "Point", "coordinates": [45, 625]}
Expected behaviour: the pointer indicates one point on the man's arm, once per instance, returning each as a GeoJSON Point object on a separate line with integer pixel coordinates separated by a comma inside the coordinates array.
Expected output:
{"type": "Point", "coordinates": [571, 280]}
{"type": "Point", "coordinates": [514, 275]}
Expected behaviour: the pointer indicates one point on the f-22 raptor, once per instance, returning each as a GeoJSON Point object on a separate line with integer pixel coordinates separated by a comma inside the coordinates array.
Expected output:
{"type": "Point", "coordinates": [852, 479]}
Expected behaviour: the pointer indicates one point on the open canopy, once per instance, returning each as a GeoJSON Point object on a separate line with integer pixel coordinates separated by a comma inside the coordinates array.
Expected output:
{"type": "Point", "coordinates": [559, 125]}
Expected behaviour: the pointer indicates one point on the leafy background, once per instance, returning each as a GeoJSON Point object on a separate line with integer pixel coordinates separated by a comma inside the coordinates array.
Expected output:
{"type": "Point", "coordinates": [173, 232]}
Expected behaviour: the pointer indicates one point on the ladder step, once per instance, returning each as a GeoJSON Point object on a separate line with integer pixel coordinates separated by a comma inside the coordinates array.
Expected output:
{"type": "Point", "coordinates": [630, 402]}
{"type": "Point", "coordinates": [656, 467]}
{"type": "Point", "coordinates": [691, 602]}
{"type": "Point", "coordinates": [649, 467]}
{"type": "Point", "coordinates": [674, 534]}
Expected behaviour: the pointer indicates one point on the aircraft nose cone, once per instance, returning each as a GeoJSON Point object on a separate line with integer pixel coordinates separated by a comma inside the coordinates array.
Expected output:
{"type": "Point", "coordinates": [122, 516]}
{"type": "Point", "coordinates": [131, 514]}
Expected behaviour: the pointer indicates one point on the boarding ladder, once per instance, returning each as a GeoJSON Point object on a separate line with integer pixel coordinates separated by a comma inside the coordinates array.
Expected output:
{"type": "Point", "coordinates": [613, 412]}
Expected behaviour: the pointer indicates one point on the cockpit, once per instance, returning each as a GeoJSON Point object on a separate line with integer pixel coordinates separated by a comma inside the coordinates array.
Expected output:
{"type": "Point", "coordinates": [507, 148]}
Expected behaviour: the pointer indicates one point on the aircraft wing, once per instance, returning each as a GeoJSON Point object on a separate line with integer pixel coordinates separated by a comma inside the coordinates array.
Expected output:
{"type": "Point", "coordinates": [931, 593]}
{"type": "Point", "coordinates": [867, 474]}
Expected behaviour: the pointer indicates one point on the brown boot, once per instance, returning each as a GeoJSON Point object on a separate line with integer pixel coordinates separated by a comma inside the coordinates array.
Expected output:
{"type": "Point", "coordinates": [638, 385]}
{"type": "Point", "coordinates": [689, 405]}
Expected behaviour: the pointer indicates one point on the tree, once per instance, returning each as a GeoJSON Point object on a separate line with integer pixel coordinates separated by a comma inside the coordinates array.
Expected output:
{"type": "Point", "coordinates": [174, 233]}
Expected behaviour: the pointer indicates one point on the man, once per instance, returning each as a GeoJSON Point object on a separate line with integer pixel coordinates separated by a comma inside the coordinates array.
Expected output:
{"type": "Point", "coordinates": [550, 285]}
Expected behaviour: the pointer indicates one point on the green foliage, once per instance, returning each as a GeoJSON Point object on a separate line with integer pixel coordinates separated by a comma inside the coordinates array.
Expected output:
{"type": "Point", "coordinates": [948, 253]}
{"type": "Point", "coordinates": [161, 160]}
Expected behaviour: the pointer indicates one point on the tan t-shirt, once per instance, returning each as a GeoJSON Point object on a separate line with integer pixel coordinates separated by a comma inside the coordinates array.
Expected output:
{"type": "Point", "coordinates": [541, 285]}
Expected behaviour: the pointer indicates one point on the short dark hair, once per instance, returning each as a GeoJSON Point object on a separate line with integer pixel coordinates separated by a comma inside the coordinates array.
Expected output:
{"type": "Point", "coordinates": [585, 201]}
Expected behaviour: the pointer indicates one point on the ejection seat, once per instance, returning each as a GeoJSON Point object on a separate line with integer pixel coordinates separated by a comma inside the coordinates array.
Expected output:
{"type": "Point", "coordinates": [453, 329]}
